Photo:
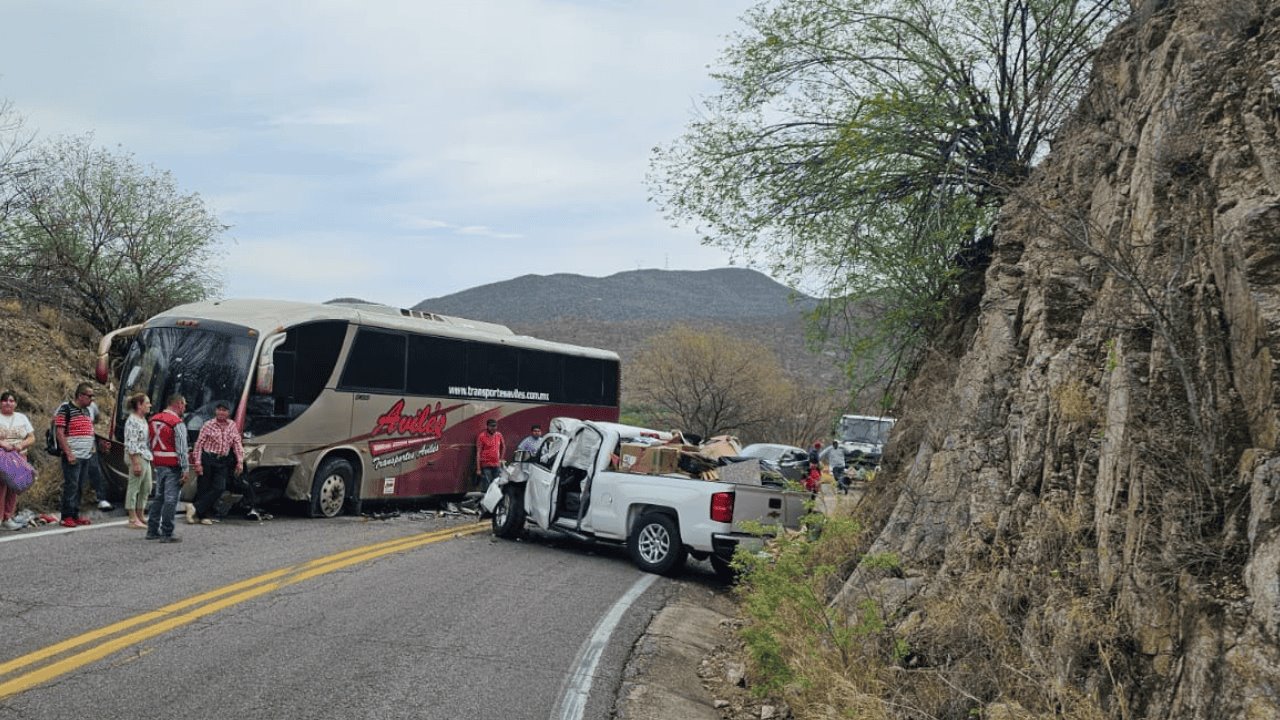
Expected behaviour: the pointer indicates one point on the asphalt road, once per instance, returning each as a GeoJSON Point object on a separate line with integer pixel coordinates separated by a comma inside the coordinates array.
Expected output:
{"type": "Point", "coordinates": [354, 619]}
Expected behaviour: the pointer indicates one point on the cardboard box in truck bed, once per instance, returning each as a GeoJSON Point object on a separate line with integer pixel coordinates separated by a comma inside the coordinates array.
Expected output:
{"type": "Point", "coordinates": [649, 459]}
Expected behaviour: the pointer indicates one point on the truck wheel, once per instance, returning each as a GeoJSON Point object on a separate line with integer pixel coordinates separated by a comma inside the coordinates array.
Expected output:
{"type": "Point", "coordinates": [331, 487]}
{"type": "Point", "coordinates": [655, 544]}
{"type": "Point", "coordinates": [508, 515]}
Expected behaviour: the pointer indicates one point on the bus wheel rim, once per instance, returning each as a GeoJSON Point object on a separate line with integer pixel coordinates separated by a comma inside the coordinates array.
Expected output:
{"type": "Point", "coordinates": [332, 493]}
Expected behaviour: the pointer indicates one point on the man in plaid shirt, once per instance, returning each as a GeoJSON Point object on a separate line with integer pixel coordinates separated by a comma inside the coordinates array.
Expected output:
{"type": "Point", "coordinates": [217, 449]}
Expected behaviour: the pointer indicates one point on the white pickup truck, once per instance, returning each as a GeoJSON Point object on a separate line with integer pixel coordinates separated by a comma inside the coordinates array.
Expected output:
{"type": "Point", "coordinates": [568, 487]}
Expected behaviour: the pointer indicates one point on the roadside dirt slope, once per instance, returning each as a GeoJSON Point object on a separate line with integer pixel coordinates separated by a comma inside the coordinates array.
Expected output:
{"type": "Point", "coordinates": [45, 356]}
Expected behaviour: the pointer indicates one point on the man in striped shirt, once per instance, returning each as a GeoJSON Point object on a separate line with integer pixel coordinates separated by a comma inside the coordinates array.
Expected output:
{"type": "Point", "coordinates": [217, 447]}
{"type": "Point", "coordinates": [73, 423]}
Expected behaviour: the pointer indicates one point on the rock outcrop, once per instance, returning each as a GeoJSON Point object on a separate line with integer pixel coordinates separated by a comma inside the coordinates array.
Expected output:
{"type": "Point", "coordinates": [1087, 479]}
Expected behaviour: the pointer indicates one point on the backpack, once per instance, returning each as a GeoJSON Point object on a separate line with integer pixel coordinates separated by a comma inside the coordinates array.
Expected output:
{"type": "Point", "coordinates": [51, 435]}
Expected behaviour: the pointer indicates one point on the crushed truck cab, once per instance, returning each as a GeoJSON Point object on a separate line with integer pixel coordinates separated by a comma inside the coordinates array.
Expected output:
{"type": "Point", "coordinates": [571, 485]}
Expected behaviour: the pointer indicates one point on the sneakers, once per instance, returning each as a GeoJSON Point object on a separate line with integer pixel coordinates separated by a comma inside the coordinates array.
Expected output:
{"type": "Point", "coordinates": [206, 521]}
{"type": "Point", "coordinates": [83, 521]}
{"type": "Point", "coordinates": [252, 515]}
{"type": "Point", "coordinates": [149, 536]}
{"type": "Point", "coordinates": [69, 522]}
{"type": "Point", "coordinates": [191, 513]}
{"type": "Point", "coordinates": [104, 505]}
{"type": "Point", "coordinates": [170, 539]}
{"type": "Point", "coordinates": [11, 524]}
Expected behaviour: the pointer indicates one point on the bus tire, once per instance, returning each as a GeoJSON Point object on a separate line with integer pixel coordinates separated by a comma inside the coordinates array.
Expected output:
{"type": "Point", "coordinates": [654, 544]}
{"type": "Point", "coordinates": [331, 488]}
{"type": "Point", "coordinates": [508, 516]}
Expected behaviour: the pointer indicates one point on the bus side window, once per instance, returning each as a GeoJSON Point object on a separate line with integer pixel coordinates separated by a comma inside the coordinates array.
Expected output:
{"type": "Point", "coordinates": [318, 346]}
{"type": "Point", "coordinates": [590, 381]}
{"type": "Point", "coordinates": [492, 366]}
{"type": "Point", "coordinates": [376, 362]}
{"type": "Point", "coordinates": [543, 373]}
{"type": "Point", "coordinates": [304, 363]}
{"type": "Point", "coordinates": [436, 364]}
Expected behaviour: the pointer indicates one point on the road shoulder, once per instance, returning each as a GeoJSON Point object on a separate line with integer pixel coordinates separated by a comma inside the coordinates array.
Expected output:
{"type": "Point", "coordinates": [661, 680]}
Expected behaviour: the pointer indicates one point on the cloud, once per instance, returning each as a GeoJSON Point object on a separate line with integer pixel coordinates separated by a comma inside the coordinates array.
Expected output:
{"type": "Point", "coordinates": [413, 223]}
{"type": "Point", "coordinates": [368, 147]}
{"type": "Point", "coordinates": [486, 232]}
{"type": "Point", "coordinates": [264, 194]}
{"type": "Point", "coordinates": [322, 116]}
{"type": "Point", "coordinates": [334, 258]}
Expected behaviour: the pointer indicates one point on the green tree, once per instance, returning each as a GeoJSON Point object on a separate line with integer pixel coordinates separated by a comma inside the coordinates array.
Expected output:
{"type": "Point", "coordinates": [113, 241]}
{"type": "Point", "coordinates": [14, 143]}
{"type": "Point", "coordinates": [865, 145]}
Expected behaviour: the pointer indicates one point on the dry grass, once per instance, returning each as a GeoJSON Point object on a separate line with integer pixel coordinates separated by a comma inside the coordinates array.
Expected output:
{"type": "Point", "coordinates": [995, 640]}
{"type": "Point", "coordinates": [1074, 404]}
{"type": "Point", "coordinates": [46, 356]}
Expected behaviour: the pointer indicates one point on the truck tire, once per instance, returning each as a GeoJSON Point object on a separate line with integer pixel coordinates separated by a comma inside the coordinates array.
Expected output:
{"type": "Point", "coordinates": [332, 487]}
{"type": "Point", "coordinates": [508, 515]}
{"type": "Point", "coordinates": [654, 544]}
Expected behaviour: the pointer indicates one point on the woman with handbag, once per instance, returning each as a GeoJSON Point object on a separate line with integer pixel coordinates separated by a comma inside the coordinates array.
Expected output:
{"type": "Point", "coordinates": [16, 435]}
{"type": "Point", "coordinates": [137, 450]}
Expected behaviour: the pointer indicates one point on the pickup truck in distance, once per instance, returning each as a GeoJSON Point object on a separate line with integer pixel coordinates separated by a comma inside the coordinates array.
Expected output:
{"type": "Point", "coordinates": [570, 486]}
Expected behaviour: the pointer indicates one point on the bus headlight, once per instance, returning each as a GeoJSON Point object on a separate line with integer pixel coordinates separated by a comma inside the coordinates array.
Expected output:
{"type": "Point", "coordinates": [252, 456]}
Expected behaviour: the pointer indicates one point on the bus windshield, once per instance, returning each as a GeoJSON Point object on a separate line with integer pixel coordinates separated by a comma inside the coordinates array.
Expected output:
{"type": "Point", "coordinates": [205, 366]}
{"type": "Point", "coordinates": [872, 431]}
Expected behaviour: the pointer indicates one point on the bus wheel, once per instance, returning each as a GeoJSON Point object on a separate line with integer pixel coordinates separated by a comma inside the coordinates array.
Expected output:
{"type": "Point", "coordinates": [508, 515]}
{"type": "Point", "coordinates": [330, 488]}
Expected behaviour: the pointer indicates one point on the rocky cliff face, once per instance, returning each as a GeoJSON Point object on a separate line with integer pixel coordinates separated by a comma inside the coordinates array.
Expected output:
{"type": "Point", "coordinates": [1086, 486]}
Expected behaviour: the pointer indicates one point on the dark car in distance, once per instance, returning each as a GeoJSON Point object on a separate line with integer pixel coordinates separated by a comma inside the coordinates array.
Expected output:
{"type": "Point", "coordinates": [788, 461]}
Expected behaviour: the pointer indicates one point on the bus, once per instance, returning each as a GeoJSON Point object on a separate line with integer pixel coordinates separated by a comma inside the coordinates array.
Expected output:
{"type": "Point", "coordinates": [862, 438]}
{"type": "Point", "coordinates": [346, 402]}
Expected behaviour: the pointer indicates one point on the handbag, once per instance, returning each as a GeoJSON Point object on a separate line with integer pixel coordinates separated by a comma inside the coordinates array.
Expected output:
{"type": "Point", "coordinates": [16, 473]}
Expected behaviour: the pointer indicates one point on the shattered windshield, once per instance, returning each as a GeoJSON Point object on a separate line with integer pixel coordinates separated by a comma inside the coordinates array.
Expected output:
{"type": "Point", "coordinates": [872, 431]}
{"type": "Point", "coordinates": [204, 366]}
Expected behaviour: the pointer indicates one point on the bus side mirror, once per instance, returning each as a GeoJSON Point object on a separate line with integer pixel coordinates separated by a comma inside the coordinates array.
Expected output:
{"type": "Point", "coordinates": [102, 370]}
{"type": "Point", "coordinates": [266, 378]}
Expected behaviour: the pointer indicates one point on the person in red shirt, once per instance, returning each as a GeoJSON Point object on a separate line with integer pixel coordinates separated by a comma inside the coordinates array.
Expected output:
{"type": "Point", "coordinates": [490, 449]}
{"type": "Point", "coordinates": [73, 423]}
{"type": "Point", "coordinates": [813, 481]}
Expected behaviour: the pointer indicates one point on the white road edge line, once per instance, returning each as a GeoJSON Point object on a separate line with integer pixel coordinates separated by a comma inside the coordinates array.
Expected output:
{"type": "Point", "coordinates": [60, 531]}
{"type": "Point", "coordinates": [573, 701]}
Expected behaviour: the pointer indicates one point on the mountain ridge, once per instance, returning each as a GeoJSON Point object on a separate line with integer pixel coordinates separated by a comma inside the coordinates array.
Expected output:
{"type": "Point", "coordinates": [720, 294]}
{"type": "Point", "coordinates": [641, 304]}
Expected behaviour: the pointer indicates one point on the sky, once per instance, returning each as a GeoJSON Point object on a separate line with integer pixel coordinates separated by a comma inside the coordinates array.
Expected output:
{"type": "Point", "coordinates": [387, 150]}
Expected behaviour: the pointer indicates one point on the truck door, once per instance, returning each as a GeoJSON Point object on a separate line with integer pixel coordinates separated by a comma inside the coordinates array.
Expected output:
{"type": "Point", "coordinates": [572, 490]}
{"type": "Point", "coordinates": [540, 469]}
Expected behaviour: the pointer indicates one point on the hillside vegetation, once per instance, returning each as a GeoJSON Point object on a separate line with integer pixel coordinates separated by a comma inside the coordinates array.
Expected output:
{"type": "Point", "coordinates": [624, 311]}
{"type": "Point", "coordinates": [1078, 514]}
{"type": "Point", "coordinates": [47, 354]}
{"type": "Point", "coordinates": [665, 295]}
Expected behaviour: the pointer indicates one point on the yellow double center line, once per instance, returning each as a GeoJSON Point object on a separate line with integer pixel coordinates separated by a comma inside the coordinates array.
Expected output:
{"type": "Point", "coordinates": [156, 622]}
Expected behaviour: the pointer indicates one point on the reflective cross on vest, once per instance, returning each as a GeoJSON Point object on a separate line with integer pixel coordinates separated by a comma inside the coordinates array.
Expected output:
{"type": "Point", "coordinates": [164, 449]}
